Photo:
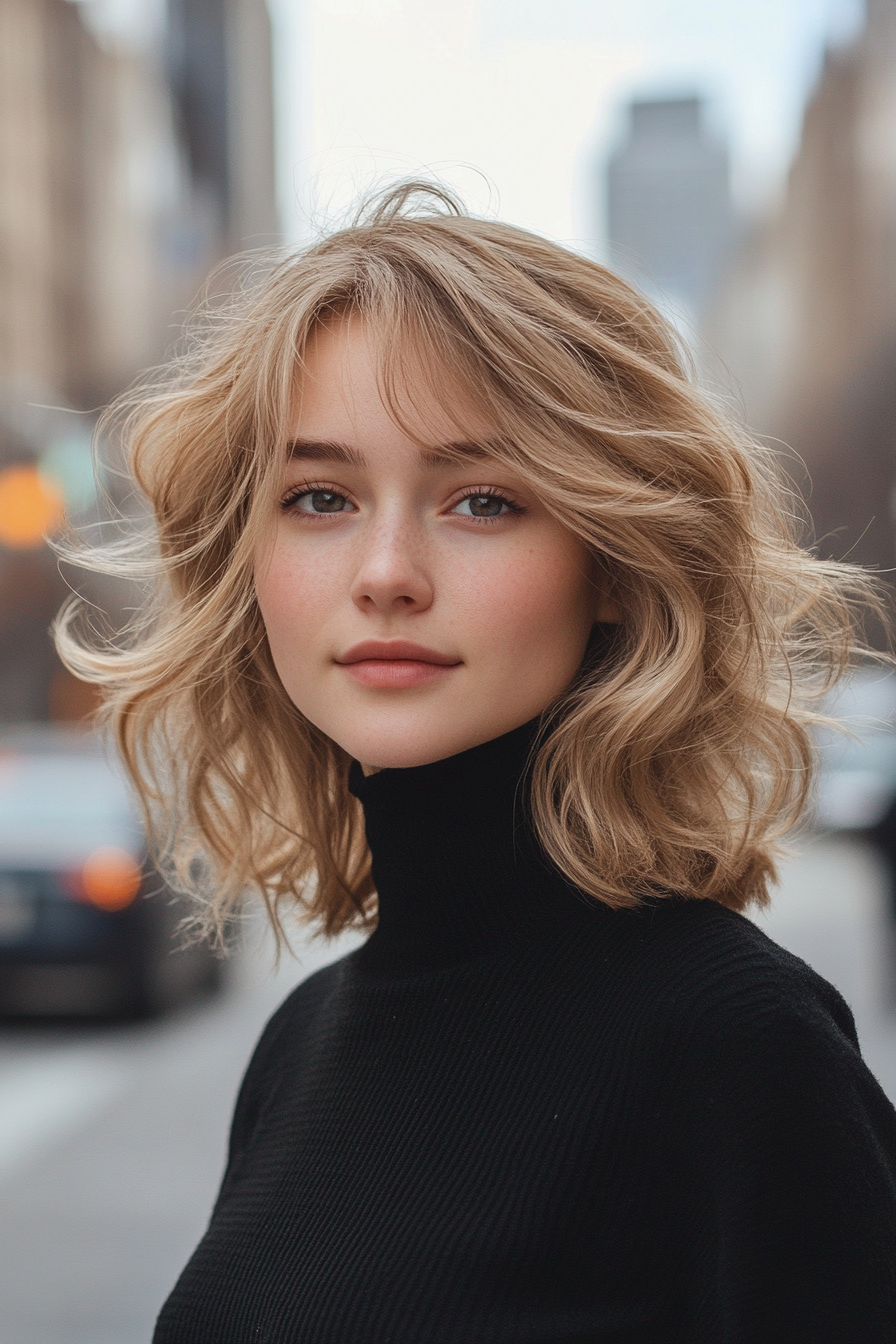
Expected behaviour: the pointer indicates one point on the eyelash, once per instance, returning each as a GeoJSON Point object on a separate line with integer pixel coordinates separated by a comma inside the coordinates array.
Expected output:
{"type": "Point", "coordinates": [296, 492]}
{"type": "Point", "coordinates": [490, 492]}
{"type": "Point", "coordinates": [293, 496]}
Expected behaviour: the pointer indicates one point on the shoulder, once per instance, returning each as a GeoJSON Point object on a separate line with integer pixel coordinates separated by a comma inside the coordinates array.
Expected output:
{"type": "Point", "coordinates": [737, 974]}
{"type": "Point", "coordinates": [700, 969]}
{"type": "Point", "coordinates": [303, 1003]}
{"type": "Point", "coordinates": [749, 1049]}
{"type": "Point", "coordinates": [280, 1045]}
{"type": "Point", "coordinates": [748, 1029]}
{"type": "Point", "coordinates": [776, 1147]}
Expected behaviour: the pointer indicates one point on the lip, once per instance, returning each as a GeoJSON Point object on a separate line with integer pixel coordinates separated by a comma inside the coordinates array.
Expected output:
{"type": "Point", "coordinates": [395, 664]}
{"type": "Point", "coordinates": [395, 650]}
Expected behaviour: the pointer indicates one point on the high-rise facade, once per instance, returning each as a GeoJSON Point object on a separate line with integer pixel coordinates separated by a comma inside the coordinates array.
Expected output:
{"type": "Point", "coordinates": [219, 62]}
{"type": "Point", "coordinates": [669, 217]}
{"type": "Point", "coordinates": [806, 318]}
{"type": "Point", "coordinates": [126, 173]}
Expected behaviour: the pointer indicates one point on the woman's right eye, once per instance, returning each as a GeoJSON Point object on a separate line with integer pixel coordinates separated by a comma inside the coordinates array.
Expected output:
{"type": "Point", "coordinates": [318, 502]}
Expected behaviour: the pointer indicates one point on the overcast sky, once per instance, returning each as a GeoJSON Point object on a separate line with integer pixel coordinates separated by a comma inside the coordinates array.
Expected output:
{"type": "Point", "coordinates": [517, 101]}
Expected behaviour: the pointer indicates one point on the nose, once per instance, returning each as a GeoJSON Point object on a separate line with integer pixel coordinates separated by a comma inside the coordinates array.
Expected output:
{"type": "Point", "coordinates": [392, 575]}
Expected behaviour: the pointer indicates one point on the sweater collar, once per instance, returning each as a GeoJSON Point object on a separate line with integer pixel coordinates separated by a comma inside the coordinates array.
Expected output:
{"type": "Point", "coordinates": [457, 868]}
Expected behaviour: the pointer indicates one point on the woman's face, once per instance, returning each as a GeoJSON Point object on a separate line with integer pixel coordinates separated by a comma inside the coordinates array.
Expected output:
{"type": "Point", "coordinates": [416, 605]}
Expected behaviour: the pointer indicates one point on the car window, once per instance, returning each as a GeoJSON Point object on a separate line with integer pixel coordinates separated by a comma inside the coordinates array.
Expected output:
{"type": "Point", "coordinates": [57, 808]}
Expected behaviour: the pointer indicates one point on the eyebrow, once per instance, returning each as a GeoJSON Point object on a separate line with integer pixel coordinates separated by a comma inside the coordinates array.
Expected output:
{"type": "Point", "coordinates": [314, 450]}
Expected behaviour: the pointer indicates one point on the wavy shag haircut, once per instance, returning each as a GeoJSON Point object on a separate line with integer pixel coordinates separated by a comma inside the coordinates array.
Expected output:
{"type": "Point", "coordinates": [675, 764]}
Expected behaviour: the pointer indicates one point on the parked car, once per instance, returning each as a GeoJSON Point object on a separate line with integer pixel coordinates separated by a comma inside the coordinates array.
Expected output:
{"type": "Point", "coordinates": [87, 924]}
{"type": "Point", "coordinates": [856, 790]}
{"type": "Point", "coordinates": [857, 781]}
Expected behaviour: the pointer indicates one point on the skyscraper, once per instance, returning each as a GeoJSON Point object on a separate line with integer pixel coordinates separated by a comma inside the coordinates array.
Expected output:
{"type": "Point", "coordinates": [668, 201]}
{"type": "Point", "coordinates": [219, 60]}
{"type": "Point", "coordinates": [123, 179]}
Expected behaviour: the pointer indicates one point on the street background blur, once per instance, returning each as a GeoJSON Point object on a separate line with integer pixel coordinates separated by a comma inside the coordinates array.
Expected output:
{"type": "Point", "coordinates": [734, 158]}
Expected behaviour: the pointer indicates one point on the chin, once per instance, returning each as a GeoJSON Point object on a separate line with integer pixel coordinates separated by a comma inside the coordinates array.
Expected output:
{"type": "Point", "coordinates": [411, 744]}
{"type": "Point", "coordinates": [391, 755]}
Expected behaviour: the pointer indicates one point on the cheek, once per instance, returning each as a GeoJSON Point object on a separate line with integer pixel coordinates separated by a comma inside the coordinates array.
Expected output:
{"type": "Point", "coordinates": [290, 603]}
{"type": "Point", "coordinates": [536, 605]}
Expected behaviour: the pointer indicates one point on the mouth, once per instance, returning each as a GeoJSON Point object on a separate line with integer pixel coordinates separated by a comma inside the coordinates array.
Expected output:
{"type": "Point", "coordinates": [395, 664]}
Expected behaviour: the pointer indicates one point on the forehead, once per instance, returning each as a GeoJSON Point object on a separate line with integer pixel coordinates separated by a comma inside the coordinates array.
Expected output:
{"type": "Point", "coordinates": [350, 384]}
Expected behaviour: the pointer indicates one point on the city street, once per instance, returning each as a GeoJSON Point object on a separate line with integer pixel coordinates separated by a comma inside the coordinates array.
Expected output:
{"type": "Point", "coordinates": [645, 256]}
{"type": "Point", "coordinates": [112, 1140]}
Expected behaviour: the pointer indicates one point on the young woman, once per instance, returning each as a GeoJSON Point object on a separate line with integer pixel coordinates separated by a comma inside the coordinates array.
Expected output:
{"type": "Point", "coordinates": [476, 622]}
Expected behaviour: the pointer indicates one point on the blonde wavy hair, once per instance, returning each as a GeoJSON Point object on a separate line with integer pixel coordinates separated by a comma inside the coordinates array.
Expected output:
{"type": "Point", "coordinates": [675, 764]}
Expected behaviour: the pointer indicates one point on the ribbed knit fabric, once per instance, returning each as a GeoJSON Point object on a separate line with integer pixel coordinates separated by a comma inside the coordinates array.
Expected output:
{"type": "Point", "coordinates": [517, 1117]}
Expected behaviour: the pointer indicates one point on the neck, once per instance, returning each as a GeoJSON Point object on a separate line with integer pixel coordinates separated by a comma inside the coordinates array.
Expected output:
{"type": "Point", "coordinates": [457, 868]}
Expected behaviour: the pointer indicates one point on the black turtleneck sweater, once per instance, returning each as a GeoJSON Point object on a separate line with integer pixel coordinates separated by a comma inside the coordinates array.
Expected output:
{"type": "Point", "coordinates": [517, 1116]}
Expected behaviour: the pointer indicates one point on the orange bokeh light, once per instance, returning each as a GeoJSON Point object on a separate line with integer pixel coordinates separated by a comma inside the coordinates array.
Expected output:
{"type": "Point", "coordinates": [110, 879]}
{"type": "Point", "coordinates": [30, 507]}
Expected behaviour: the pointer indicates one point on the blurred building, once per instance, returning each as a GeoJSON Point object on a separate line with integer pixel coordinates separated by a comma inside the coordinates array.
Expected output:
{"type": "Point", "coordinates": [669, 215]}
{"type": "Point", "coordinates": [806, 318]}
{"type": "Point", "coordinates": [123, 177]}
{"type": "Point", "coordinates": [130, 163]}
{"type": "Point", "coordinates": [219, 61]}
{"type": "Point", "coordinates": [78, 312]}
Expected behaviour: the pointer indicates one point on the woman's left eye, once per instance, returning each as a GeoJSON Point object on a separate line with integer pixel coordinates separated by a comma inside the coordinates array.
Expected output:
{"type": "Point", "coordinates": [484, 505]}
